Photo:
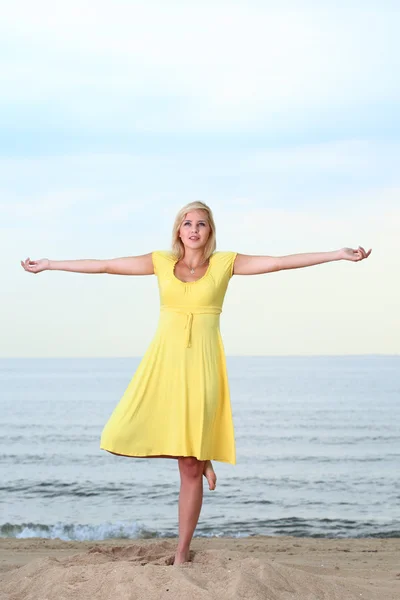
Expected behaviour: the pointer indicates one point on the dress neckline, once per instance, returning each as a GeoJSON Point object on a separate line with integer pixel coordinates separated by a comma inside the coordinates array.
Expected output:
{"type": "Point", "coordinates": [196, 280]}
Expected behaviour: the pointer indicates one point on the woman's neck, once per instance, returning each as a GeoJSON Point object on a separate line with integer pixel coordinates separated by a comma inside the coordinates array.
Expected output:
{"type": "Point", "coordinates": [194, 258]}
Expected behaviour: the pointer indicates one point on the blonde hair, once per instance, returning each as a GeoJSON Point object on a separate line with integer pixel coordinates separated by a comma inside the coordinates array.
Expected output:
{"type": "Point", "coordinates": [178, 248]}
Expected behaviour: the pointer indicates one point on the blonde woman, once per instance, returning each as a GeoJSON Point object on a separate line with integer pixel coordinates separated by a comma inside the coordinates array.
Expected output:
{"type": "Point", "coordinates": [177, 404]}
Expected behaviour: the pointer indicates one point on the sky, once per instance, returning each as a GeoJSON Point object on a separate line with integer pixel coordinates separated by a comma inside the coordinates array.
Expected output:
{"type": "Point", "coordinates": [282, 116]}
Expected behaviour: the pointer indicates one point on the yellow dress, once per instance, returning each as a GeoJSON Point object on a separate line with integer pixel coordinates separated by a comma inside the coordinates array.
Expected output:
{"type": "Point", "coordinates": [177, 402]}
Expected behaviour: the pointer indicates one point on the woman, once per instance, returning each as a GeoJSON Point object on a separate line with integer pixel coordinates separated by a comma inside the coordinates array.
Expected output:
{"type": "Point", "coordinates": [177, 404]}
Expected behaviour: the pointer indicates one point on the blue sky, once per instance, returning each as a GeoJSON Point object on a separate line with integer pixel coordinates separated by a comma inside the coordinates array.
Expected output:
{"type": "Point", "coordinates": [283, 117]}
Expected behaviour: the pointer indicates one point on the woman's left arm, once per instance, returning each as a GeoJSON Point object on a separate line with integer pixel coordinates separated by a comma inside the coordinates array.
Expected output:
{"type": "Point", "coordinates": [245, 264]}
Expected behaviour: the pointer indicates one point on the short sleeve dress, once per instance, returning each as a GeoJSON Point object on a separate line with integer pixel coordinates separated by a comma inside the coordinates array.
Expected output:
{"type": "Point", "coordinates": [178, 402]}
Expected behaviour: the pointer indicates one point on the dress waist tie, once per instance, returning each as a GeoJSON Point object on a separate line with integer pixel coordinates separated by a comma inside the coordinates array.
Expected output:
{"type": "Point", "coordinates": [189, 312]}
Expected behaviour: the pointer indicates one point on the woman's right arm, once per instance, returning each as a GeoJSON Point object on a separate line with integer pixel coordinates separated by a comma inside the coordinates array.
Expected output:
{"type": "Point", "coordinates": [129, 265]}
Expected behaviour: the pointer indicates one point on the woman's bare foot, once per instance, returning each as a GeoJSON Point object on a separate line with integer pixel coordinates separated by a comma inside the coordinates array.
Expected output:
{"type": "Point", "coordinates": [181, 557]}
{"type": "Point", "coordinates": [210, 475]}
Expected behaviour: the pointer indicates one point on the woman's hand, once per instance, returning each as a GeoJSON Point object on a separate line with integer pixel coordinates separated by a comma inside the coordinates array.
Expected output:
{"type": "Point", "coordinates": [354, 255]}
{"type": "Point", "coordinates": [35, 266]}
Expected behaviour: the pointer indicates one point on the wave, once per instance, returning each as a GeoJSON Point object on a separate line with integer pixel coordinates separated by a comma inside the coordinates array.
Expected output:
{"type": "Point", "coordinates": [292, 526]}
{"type": "Point", "coordinates": [76, 532]}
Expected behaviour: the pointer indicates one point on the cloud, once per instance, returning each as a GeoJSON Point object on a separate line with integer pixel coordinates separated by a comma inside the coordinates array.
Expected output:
{"type": "Point", "coordinates": [324, 178]}
{"type": "Point", "coordinates": [153, 67]}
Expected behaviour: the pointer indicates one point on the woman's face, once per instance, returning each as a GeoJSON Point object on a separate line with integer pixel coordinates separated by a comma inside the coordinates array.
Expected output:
{"type": "Point", "coordinates": [195, 229]}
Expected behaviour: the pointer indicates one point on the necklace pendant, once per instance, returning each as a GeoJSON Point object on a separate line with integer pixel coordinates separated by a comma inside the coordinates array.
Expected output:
{"type": "Point", "coordinates": [192, 271]}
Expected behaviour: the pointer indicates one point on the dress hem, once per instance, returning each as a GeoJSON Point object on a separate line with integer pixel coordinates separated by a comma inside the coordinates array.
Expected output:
{"type": "Point", "coordinates": [164, 455]}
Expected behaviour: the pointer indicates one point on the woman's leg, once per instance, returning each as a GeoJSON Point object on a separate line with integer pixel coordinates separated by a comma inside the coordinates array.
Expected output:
{"type": "Point", "coordinates": [190, 502]}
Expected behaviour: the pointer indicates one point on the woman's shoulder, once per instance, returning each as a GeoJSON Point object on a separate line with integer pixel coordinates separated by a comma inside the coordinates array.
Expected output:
{"type": "Point", "coordinates": [162, 259]}
{"type": "Point", "coordinates": [164, 254]}
{"type": "Point", "coordinates": [225, 260]}
{"type": "Point", "coordinates": [224, 254]}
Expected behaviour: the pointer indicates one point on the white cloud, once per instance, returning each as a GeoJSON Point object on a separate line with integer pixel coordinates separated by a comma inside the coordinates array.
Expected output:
{"type": "Point", "coordinates": [215, 65]}
{"type": "Point", "coordinates": [339, 156]}
{"type": "Point", "coordinates": [343, 174]}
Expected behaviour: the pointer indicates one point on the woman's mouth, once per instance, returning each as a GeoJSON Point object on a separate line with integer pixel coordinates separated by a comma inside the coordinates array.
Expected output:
{"type": "Point", "coordinates": [194, 238]}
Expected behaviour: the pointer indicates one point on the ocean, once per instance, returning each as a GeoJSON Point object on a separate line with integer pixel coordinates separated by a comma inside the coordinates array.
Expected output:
{"type": "Point", "coordinates": [317, 440]}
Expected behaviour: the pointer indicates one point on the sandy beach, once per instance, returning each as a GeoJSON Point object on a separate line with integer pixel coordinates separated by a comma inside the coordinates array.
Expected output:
{"type": "Point", "coordinates": [259, 567]}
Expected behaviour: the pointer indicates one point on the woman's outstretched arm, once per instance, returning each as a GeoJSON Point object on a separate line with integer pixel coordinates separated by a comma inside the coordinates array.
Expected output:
{"type": "Point", "coordinates": [129, 265]}
{"type": "Point", "coordinates": [246, 264]}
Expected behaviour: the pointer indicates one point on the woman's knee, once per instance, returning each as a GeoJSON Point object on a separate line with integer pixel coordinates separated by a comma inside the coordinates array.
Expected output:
{"type": "Point", "coordinates": [190, 467]}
